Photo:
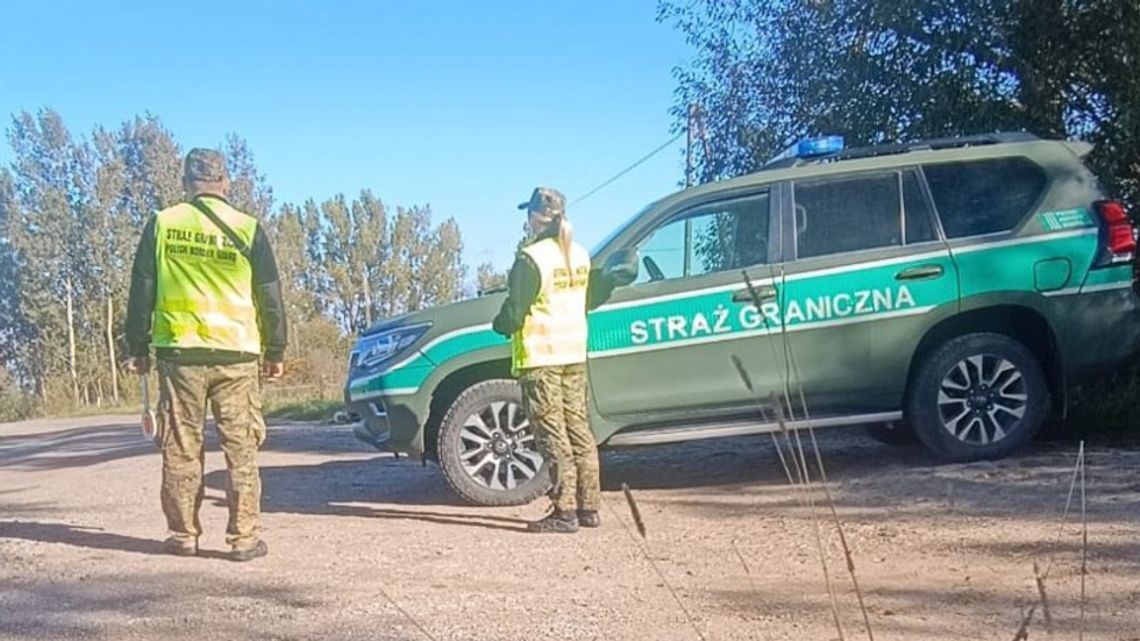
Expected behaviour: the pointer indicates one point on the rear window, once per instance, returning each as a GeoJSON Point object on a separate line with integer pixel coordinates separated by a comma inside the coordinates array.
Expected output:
{"type": "Point", "coordinates": [984, 196]}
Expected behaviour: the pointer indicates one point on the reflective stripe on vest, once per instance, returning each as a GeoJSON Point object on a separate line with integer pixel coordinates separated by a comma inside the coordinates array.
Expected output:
{"type": "Point", "coordinates": [555, 331]}
{"type": "Point", "coordinates": [204, 293]}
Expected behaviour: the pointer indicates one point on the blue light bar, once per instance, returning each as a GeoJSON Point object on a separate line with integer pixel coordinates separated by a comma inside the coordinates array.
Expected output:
{"type": "Point", "coordinates": [812, 147]}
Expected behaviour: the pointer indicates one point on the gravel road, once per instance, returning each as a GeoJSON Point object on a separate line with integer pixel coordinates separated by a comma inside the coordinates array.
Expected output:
{"type": "Point", "coordinates": [364, 546]}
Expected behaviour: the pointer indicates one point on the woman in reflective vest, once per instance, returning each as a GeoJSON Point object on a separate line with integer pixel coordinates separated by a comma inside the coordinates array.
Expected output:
{"type": "Point", "coordinates": [550, 289]}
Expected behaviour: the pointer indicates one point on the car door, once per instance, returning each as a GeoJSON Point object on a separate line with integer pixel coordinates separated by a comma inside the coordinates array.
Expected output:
{"type": "Point", "coordinates": [662, 347]}
{"type": "Point", "coordinates": [869, 274]}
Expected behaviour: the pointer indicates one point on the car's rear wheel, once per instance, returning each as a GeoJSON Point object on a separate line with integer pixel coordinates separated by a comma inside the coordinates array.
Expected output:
{"type": "Point", "coordinates": [487, 448]}
{"type": "Point", "coordinates": [978, 396]}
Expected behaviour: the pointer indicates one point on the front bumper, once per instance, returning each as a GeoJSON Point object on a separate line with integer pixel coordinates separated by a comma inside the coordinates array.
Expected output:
{"type": "Point", "coordinates": [369, 421]}
{"type": "Point", "coordinates": [390, 423]}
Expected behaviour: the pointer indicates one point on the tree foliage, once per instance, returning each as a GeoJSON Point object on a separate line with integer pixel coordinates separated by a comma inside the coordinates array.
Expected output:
{"type": "Point", "coordinates": [487, 278]}
{"type": "Point", "coordinates": [768, 72]}
{"type": "Point", "coordinates": [72, 208]}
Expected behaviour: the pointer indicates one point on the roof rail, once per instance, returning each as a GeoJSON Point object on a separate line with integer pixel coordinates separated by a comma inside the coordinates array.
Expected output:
{"type": "Point", "coordinates": [906, 147]}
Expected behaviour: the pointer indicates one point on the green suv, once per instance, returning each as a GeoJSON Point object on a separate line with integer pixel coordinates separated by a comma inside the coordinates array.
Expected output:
{"type": "Point", "coordinates": [948, 289]}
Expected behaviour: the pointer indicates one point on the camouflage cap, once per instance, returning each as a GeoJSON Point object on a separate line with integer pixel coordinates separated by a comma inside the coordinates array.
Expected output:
{"type": "Point", "coordinates": [545, 200]}
{"type": "Point", "coordinates": [205, 166]}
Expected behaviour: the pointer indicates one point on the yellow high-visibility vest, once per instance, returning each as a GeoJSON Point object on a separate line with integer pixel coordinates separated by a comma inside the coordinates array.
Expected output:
{"type": "Point", "coordinates": [204, 290]}
{"type": "Point", "coordinates": [555, 331]}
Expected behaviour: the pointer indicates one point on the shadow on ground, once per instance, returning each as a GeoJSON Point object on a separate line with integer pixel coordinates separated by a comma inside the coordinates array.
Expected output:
{"type": "Point", "coordinates": [74, 447]}
{"type": "Point", "coordinates": [118, 438]}
{"type": "Point", "coordinates": [84, 537]}
{"type": "Point", "coordinates": [165, 605]}
{"type": "Point", "coordinates": [722, 478]}
{"type": "Point", "coordinates": [350, 488]}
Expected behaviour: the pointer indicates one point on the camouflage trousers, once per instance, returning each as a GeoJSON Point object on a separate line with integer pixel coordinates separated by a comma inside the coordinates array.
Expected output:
{"type": "Point", "coordinates": [233, 394]}
{"type": "Point", "coordinates": [555, 402]}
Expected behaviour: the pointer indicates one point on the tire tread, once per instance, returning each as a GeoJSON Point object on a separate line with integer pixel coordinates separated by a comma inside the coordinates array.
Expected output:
{"type": "Point", "coordinates": [928, 427]}
{"type": "Point", "coordinates": [453, 470]}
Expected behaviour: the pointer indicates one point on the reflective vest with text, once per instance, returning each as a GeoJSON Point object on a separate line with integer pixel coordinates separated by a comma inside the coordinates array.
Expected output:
{"type": "Point", "coordinates": [204, 291]}
{"type": "Point", "coordinates": [555, 331]}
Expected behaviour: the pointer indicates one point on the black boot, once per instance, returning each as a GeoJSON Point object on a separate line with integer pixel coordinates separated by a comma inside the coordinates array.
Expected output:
{"type": "Point", "coordinates": [179, 548]}
{"type": "Point", "coordinates": [556, 521]}
{"type": "Point", "coordinates": [589, 518]}
{"type": "Point", "coordinates": [259, 550]}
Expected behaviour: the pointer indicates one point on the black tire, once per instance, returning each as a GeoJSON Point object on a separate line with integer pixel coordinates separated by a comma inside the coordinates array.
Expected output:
{"type": "Point", "coordinates": [896, 433]}
{"type": "Point", "coordinates": [488, 405]}
{"type": "Point", "coordinates": [978, 396]}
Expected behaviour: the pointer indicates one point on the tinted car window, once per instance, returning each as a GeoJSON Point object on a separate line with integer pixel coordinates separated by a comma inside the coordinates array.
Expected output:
{"type": "Point", "coordinates": [711, 238]}
{"type": "Point", "coordinates": [984, 196]}
{"type": "Point", "coordinates": [919, 228]}
{"type": "Point", "coordinates": [847, 214]}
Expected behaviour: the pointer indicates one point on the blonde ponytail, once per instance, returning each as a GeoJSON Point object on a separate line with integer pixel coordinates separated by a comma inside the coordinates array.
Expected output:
{"type": "Point", "coordinates": [566, 241]}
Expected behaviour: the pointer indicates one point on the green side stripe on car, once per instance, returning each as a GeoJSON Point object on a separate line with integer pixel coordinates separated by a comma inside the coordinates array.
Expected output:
{"type": "Point", "coordinates": [1009, 265]}
{"type": "Point", "coordinates": [1115, 275]}
{"type": "Point", "coordinates": [808, 300]}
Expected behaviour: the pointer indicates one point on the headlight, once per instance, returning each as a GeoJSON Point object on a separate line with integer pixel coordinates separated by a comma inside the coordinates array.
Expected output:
{"type": "Point", "coordinates": [373, 351]}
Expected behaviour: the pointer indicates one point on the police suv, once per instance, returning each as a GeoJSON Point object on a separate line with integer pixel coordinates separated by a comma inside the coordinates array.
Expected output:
{"type": "Point", "coordinates": [947, 289]}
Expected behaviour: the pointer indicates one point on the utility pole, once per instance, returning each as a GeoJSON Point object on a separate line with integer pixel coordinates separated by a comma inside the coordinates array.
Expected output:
{"type": "Point", "coordinates": [693, 110]}
{"type": "Point", "coordinates": [71, 366]}
{"type": "Point", "coordinates": [367, 297]}
{"type": "Point", "coordinates": [688, 254]}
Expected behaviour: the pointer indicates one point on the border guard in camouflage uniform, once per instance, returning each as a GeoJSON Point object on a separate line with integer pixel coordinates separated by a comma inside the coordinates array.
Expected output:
{"type": "Point", "coordinates": [205, 293]}
{"type": "Point", "coordinates": [550, 289]}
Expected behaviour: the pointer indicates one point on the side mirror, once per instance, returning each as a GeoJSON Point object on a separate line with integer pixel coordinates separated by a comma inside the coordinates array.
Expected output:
{"type": "Point", "coordinates": [621, 267]}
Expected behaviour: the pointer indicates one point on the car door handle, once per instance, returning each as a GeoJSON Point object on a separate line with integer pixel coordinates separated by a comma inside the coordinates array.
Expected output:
{"type": "Point", "coordinates": [921, 272]}
{"type": "Point", "coordinates": [764, 293]}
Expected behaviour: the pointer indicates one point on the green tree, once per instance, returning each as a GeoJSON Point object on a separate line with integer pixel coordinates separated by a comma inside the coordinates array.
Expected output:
{"type": "Point", "coordinates": [71, 210]}
{"type": "Point", "coordinates": [152, 161]}
{"type": "Point", "coordinates": [288, 233]}
{"type": "Point", "coordinates": [367, 266]}
{"type": "Point", "coordinates": [1107, 80]}
{"type": "Point", "coordinates": [488, 278]}
{"type": "Point", "coordinates": [52, 184]}
{"type": "Point", "coordinates": [768, 73]}
{"type": "Point", "coordinates": [138, 172]}
{"type": "Point", "coordinates": [424, 264]}
{"type": "Point", "coordinates": [249, 190]}
{"type": "Point", "coordinates": [13, 328]}
{"type": "Point", "coordinates": [349, 245]}
{"type": "Point", "coordinates": [110, 245]}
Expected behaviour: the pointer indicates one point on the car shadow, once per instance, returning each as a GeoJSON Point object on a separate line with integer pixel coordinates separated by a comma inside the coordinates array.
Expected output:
{"type": "Point", "coordinates": [747, 460]}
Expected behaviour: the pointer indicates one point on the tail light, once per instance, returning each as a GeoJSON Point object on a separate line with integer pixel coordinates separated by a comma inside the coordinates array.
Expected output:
{"type": "Point", "coordinates": [1119, 237]}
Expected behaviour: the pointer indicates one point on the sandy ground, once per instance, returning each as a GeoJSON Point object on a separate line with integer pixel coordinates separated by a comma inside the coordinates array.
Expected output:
{"type": "Point", "coordinates": [363, 546]}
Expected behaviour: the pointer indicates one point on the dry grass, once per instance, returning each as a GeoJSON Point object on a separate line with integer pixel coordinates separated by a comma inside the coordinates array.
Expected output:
{"type": "Point", "coordinates": [799, 461]}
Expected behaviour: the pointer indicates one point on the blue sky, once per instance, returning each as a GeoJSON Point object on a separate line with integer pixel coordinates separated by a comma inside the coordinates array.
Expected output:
{"type": "Point", "coordinates": [461, 105]}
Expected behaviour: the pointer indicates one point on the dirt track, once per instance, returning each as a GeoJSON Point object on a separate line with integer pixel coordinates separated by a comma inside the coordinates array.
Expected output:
{"type": "Point", "coordinates": [942, 552]}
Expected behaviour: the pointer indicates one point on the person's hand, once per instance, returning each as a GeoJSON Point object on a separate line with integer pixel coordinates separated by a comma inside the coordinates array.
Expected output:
{"type": "Point", "coordinates": [138, 365]}
{"type": "Point", "coordinates": [273, 370]}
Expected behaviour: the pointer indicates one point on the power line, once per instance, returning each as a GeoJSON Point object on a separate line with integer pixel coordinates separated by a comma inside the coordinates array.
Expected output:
{"type": "Point", "coordinates": [490, 248]}
{"type": "Point", "coordinates": [629, 168]}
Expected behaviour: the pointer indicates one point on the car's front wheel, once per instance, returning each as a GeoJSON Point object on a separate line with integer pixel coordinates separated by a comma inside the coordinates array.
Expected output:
{"type": "Point", "coordinates": [978, 396]}
{"type": "Point", "coordinates": [487, 448]}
